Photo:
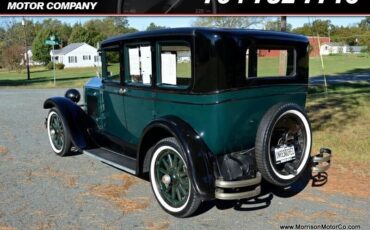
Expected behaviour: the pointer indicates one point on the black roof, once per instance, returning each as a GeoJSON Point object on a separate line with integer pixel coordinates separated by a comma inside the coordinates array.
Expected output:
{"type": "Point", "coordinates": [192, 31]}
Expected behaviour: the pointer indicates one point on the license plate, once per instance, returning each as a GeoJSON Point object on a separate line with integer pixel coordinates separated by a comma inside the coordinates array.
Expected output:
{"type": "Point", "coordinates": [284, 154]}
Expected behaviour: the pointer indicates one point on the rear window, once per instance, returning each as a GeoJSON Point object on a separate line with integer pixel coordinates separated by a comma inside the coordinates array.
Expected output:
{"type": "Point", "coordinates": [175, 65]}
{"type": "Point", "coordinates": [269, 62]}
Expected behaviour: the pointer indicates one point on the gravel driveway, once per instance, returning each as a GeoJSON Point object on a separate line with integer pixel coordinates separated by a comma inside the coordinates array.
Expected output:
{"type": "Point", "coordinates": [39, 190]}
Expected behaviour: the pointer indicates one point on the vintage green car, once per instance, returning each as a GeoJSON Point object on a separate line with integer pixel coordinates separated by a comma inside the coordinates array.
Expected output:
{"type": "Point", "coordinates": [203, 113]}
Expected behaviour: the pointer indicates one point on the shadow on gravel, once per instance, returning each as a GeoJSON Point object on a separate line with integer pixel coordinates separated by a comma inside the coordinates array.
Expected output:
{"type": "Point", "coordinates": [320, 179]}
{"type": "Point", "coordinates": [268, 192]}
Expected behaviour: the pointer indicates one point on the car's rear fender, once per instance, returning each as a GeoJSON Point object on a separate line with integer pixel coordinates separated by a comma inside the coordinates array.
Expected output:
{"type": "Point", "coordinates": [198, 155]}
{"type": "Point", "coordinates": [76, 120]}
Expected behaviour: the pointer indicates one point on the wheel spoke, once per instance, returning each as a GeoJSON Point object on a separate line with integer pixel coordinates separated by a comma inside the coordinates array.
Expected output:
{"type": "Point", "coordinates": [182, 190]}
{"type": "Point", "coordinates": [180, 164]}
{"type": "Point", "coordinates": [172, 192]}
{"type": "Point", "coordinates": [162, 170]}
{"type": "Point", "coordinates": [53, 124]}
{"type": "Point", "coordinates": [178, 194]}
{"type": "Point", "coordinates": [170, 160]}
{"type": "Point", "coordinates": [175, 161]}
{"type": "Point", "coordinates": [165, 163]}
{"type": "Point", "coordinates": [182, 175]}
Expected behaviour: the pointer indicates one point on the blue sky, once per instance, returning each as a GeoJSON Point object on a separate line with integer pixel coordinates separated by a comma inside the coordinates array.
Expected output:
{"type": "Point", "coordinates": [142, 22]}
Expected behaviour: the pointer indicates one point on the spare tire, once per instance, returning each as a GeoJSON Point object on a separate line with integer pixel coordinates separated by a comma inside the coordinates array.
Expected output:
{"type": "Point", "coordinates": [283, 144]}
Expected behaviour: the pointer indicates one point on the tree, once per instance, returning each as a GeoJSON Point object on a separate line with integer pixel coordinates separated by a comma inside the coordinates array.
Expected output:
{"type": "Point", "coordinates": [60, 30]}
{"type": "Point", "coordinates": [229, 22]}
{"type": "Point", "coordinates": [96, 30]}
{"type": "Point", "coordinates": [12, 57]}
{"type": "Point", "coordinates": [82, 34]}
{"type": "Point", "coordinates": [40, 51]}
{"type": "Point", "coordinates": [316, 28]}
{"type": "Point", "coordinates": [153, 26]}
{"type": "Point", "coordinates": [275, 25]}
{"type": "Point", "coordinates": [365, 23]}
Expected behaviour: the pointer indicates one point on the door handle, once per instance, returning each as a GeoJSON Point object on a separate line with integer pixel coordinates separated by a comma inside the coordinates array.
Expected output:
{"type": "Point", "coordinates": [122, 91]}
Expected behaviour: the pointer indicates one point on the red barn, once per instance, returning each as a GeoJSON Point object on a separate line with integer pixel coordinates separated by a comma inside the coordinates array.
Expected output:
{"type": "Point", "coordinates": [315, 43]}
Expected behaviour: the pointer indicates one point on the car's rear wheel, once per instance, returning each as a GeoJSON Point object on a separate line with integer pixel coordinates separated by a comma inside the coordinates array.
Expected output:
{"type": "Point", "coordinates": [170, 179]}
{"type": "Point", "coordinates": [59, 137]}
{"type": "Point", "coordinates": [283, 144]}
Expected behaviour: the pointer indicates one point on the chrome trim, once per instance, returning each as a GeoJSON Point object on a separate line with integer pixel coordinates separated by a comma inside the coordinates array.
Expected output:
{"type": "Point", "coordinates": [237, 196]}
{"type": "Point", "coordinates": [320, 159]}
{"type": "Point", "coordinates": [320, 168]}
{"type": "Point", "coordinates": [239, 184]}
{"type": "Point", "coordinates": [321, 162]}
{"type": "Point", "coordinates": [109, 162]}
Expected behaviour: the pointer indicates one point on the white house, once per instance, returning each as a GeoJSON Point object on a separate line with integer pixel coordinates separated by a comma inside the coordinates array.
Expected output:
{"type": "Point", "coordinates": [76, 55]}
{"type": "Point", "coordinates": [340, 48]}
{"type": "Point", "coordinates": [31, 62]}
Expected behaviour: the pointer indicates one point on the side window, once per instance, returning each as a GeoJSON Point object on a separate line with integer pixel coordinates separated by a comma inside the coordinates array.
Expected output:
{"type": "Point", "coordinates": [175, 65]}
{"type": "Point", "coordinates": [139, 64]}
{"type": "Point", "coordinates": [270, 62]}
{"type": "Point", "coordinates": [111, 65]}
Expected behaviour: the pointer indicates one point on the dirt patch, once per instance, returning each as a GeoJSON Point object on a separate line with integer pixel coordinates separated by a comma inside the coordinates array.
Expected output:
{"type": "Point", "coordinates": [68, 180]}
{"type": "Point", "coordinates": [311, 197]}
{"type": "Point", "coordinates": [348, 178]}
{"type": "Point", "coordinates": [297, 214]}
{"type": "Point", "coordinates": [6, 227]}
{"type": "Point", "coordinates": [157, 225]}
{"type": "Point", "coordinates": [3, 150]}
{"type": "Point", "coordinates": [114, 194]}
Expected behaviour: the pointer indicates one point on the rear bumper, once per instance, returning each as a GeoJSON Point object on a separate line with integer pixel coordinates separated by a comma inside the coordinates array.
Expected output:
{"type": "Point", "coordinates": [322, 161]}
{"type": "Point", "coordinates": [236, 190]}
{"type": "Point", "coordinates": [249, 188]}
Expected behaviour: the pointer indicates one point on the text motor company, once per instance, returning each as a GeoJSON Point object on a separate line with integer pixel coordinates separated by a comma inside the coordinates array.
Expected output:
{"type": "Point", "coordinates": [52, 5]}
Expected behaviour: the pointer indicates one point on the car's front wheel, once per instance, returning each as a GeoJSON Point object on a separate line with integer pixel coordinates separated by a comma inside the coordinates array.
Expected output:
{"type": "Point", "coordinates": [59, 137]}
{"type": "Point", "coordinates": [170, 179]}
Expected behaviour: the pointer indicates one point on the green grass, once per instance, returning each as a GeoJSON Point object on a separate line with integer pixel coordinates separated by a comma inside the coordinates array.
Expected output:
{"type": "Point", "coordinates": [76, 77]}
{"type": "Point", "coordinates": [333, 65]}
{"type": "Point", "coordinates": [344, 64]}
{"type": "Point", "coordinates": [43, 78]}
{"type": "Point", "coordinates": [340, 120]}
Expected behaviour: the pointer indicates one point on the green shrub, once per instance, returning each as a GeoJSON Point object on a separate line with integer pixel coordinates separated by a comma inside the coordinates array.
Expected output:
{"type": "Point", "coordinates": [50, 66]}
{"type": "Point", "coordinates": [59, 66]}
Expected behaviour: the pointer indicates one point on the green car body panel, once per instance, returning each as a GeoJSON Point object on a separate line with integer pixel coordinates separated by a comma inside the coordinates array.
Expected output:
{"type": "Point", "coordinates": [227, 122]}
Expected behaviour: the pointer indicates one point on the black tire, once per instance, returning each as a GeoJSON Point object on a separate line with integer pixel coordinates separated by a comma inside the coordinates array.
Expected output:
{"type": "Point", "coordinates": [62, 146]}
{"type": "Point", "coordinates": [189, 202]}
{"type": "Point", "coordinates": [277, 124]}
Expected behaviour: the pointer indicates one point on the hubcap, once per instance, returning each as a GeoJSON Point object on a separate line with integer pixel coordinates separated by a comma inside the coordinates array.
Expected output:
{"type": "Point", "coordinates": [172, 178]}
{"type": "Point", "coordinates": [288, 131]}
{"type": "Point", "coordinates": [166, 179]}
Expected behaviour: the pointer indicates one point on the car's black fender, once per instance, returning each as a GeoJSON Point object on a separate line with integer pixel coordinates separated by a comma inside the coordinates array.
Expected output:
{"type": "Point", "coordinates": [76, 120]}
{"type": "Point", "coordinates": [198, 155]}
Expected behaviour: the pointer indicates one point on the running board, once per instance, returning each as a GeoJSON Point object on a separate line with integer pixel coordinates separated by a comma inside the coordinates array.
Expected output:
{"type": "Point", "coordinates": [114, 159]}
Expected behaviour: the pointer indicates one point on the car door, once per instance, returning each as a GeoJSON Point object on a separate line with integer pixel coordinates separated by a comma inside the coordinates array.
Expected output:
{"type": "Point", "coordinates": [113, 128]}
{"type": "Point", "coordinates": [138, 90]}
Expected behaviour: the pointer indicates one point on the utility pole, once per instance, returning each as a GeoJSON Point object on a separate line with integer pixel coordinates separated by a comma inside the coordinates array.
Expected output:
{"type": "Point", "coordinates": [283, 23]}
{"type": "Point", "coordinates": [27, 61]}
{"type": "Point", "coordinates": [283, 62]}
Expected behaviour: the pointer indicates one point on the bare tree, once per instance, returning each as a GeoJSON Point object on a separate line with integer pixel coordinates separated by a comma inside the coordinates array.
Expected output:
{"type": "Point", "coordinates": [230, 22]}
{"type": "Point", "coordinates": [12, 57]}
